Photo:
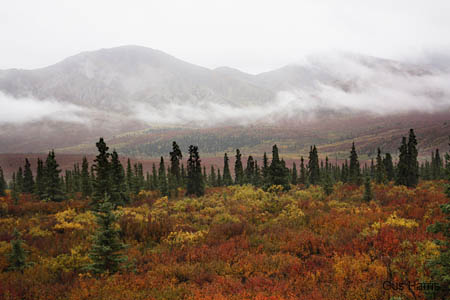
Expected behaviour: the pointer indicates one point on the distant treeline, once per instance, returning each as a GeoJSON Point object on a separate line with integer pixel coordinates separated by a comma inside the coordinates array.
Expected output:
{"type": "Point", "coordinates": [108, 176]}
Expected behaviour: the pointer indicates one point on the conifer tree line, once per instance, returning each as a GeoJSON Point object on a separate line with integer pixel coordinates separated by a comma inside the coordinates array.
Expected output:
{"type": "Point", "coordinates": [108, 176]}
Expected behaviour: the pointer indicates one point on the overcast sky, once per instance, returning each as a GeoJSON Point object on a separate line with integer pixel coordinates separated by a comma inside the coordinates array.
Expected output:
{"type": "Point", "coordinates": [253, 36]}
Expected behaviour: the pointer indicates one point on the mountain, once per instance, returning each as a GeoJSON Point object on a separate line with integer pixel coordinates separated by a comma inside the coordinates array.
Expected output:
{"type": "Point", "coordinates": [128, 93]}
{"type": "Point", "coordinates": [111, 79]}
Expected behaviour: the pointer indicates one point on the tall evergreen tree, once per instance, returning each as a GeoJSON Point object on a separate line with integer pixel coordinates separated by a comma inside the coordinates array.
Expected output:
{"type": "Point", "coordinates": [106, 250]}
{"type": "Point", "coordinates": [294, 174]}
{"type": "Point", "coordinates": [86, 188]}
{"type": "Point", "coordinates": [389, 167]}
{"type": "Point", "coordinates": [118, 183]}
{"type": "Point", "coordinates": [17, 258]}
{"type": "Point", "coordinates": [402, 166]}
{"type": "Point", "coordinates": [279, 175]}
{"type": "Point", "coordinates": [226, 178]}
{"type": "Point", "coordinates": [219, 178]}
{"type": "Point", "coordinates": [303, 178]}
{"type": "Point", "coordinates": [367, 190]}
{"type": "Point", "coordinates": [14, 190]}
{"type": "Point", "coordinates": [28, 180]}
{"type": "Point", "coordinates": [212, 176]}
{"type": "Point", "coordinates": [19, 180]}
{"type": "Point", "coordinates": [380, 176]}
{"type": "Point", "coordinates": [39, 187]}
{"type": "Point", "coordinates": [175, 158]}
{"type": "Point", "coordinates": [413, 164]}
{"type": "Point", "coordinates": [265, 172]}
{"type": "Point", "coordinates": [2, 183]}
{"type": "Point", "coordinates": [52, 183]}
{"type": "Point", "coordinates": [162, 180]}
{"type": "Point", "coordinates": [154, 178]}
{"type": "Point", "coordinates": [130, 178]}
{"type": "Point", "coordinates": [195, 185]}
{"type": "Point", "coordinates": [249, 173]}
{"type": "Point", "coordinates": [102, 168]}
{"type": "Point", "coordinates": [313, 166]}
{"type": "Point", "coordinates": [436, 165]}
{"type": "Point", "coordinates": [238, 169]}
{"type": "Point", "coordinates": [354, 168]}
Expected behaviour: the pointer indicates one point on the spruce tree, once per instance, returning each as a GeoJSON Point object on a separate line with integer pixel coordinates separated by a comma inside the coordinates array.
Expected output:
{"type": "Point", "coordinates": [162, 180]}
{"type": "Point", "coordinates": [106, 250]}
{"type": "Point", "coordinates": [389, 167]}
{"type": "Point", "coordinates": [413, 164]}
{"type": "Point", "coordinates": [28, 180]}
{"type": "Point", "coordinates": [195, 185]}
{"type": "Point", "coordinates": [212, 176]}
{"type": "Point", "coordinates": [302, 178]}
{"type": "Point", "coordinates": [294, 174]}
{"type": "Point", "coordinates": [313, 166]}
{"type": "Point", "coordinates": [219, 178]}
{"type": "Point", "coordinates": [436, 165]}
{"type": "Point", "coordinates": [402, 166]}
{"type": "Point", "coordinates": [175, 158]}
{"type": "Point", "coordinates": [238, 169]}
{"type": "Point", "coordinates": [226, 178]}
{"type": "Point", "coordinates": [102, 168]}
{"type": "Point", "coordinates": [2, 183]}
{"type": "Point", "coordinates": [52, 182]}
{"type": "Point", "coordinates": [249, 173]}
{"type": "Point", "coordinates": [118, 183]}
{"type": "Point", "coordinates": [379, 169]}
{"type": "Point", "coordinates": [367, 190]}
{"type": "Point", "coordinates": [17, 257]}
{"type": "Point", "coordinates": [279, 175]}
{"type": "Point", "coordinates": [14, 190]}
{"type": "Point", "coordinates": [354, 168]}
{"type": "Point", "coordinates": [130, 178]}
{"type": "Point", "coordinates": [39, 188]}
{"type": "Point", "coordinates": [86, 188]}
{"type": "Point", "coordinates": [154, 178]}
{"type": "Point", "coordinates": [327, 184]}
{"type": "Point", "coordinates": [19, 180]}
{"type": "Point", "coordinates": [265, 172]}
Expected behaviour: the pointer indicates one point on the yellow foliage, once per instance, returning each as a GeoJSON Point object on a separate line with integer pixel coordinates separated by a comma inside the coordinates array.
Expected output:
{"type": "Point", "coordinates": [182, 238]}
{"type": "Point", "coordinates": [36, 231]}
{"type": "Point", "coordinates": [70, 219]}
{"type": "Point", "coordinates": [392, 220]}
{"type": "Point", "coordinates": [74, 261]}
{"type": "Point", "coordinates": [290, 215]}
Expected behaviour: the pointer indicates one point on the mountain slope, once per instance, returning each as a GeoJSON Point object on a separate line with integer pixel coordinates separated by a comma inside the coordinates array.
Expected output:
{"type": "Point", "coordinates": [132, 88]}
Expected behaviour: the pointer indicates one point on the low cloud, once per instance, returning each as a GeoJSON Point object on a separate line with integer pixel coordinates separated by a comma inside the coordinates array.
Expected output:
{"type": "Point", "coordinates": [345, 83]}
{"type": "Point", "coordinates": [27, 109]}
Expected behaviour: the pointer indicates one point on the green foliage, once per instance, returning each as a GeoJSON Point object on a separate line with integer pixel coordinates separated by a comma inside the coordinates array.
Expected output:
{"type": "Point", "coordinates": [2, 183]}
{"type": "Point", "coordinates": [52, 183]}
{"type": "Point", "coordinates": [195, 184]}
{"type": "Point", "coordinates": [367, 190]}
{"type": "Point", "coordinates": [118, 184]}
{"type": "Point", "coordinates": [278, 173]}
{"type": "Point", "coordinates": [86, 186]}
{"type": "Point", "coordinates": [102, 180]}
{"type": "Point", "coordinates": [238, 169]}
{"type": "Point", "coordinates": [226, 178]}
{"type": "Point", "coordinates": [354, 174]}
{"type": "Point", "coordinates": [28, 181]}
{"type": "Point", "coordinates": [106, 250]}
{"type": "Point", "coordinates": [162, 179]}
{"type": "Point", "coordinates": [17, 258]}
{"type": "Point", "coordinates": [313, 166]}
